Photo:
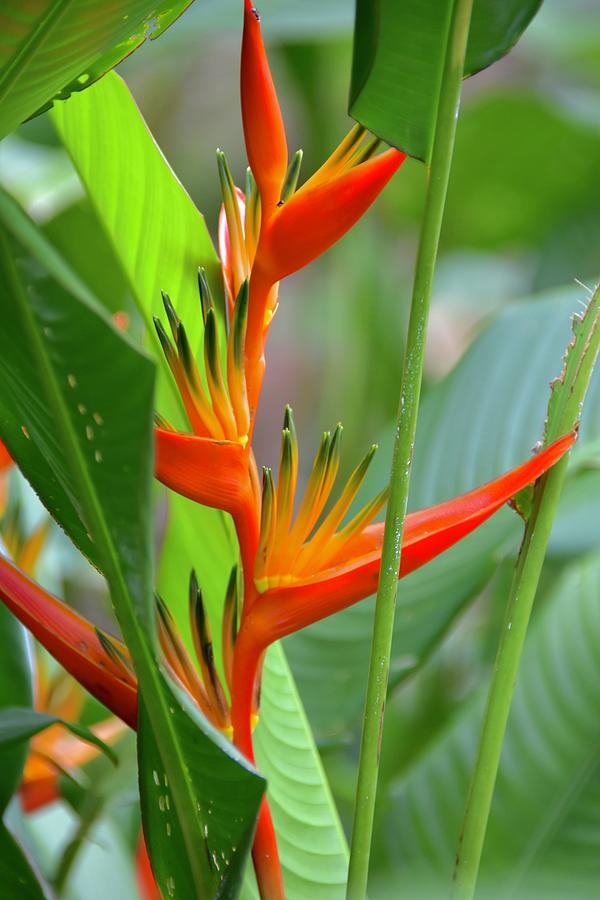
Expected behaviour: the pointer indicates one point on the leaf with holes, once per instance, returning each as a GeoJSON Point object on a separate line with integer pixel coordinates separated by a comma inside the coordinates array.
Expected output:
{"type": "Point", "coordinates": [399, 51]}
{"type": "Point", "coordinates": [85, 443]}
{"type": "Point", "coordinates": [52, 48]}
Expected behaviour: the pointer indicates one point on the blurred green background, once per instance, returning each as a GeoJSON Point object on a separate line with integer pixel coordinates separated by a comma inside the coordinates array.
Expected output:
{"type": "Point", "coordinates": [522, 220]}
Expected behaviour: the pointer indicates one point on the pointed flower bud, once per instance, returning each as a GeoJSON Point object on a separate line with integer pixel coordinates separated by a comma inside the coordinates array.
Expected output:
{"type": "Point", "coordinates": [203, 645]}
{"type": "Point", "coordinates": [264, 130]}
{"type": "Point", "coordinates": [291, 178]}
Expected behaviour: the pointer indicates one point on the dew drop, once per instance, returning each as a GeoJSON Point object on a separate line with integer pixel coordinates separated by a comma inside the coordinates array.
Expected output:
{"type": "Point", "coordinates": [89, 432]}
{"type": "Point", "coordinates": [82, 409]}
{"type": "Point", "coordinates": [25, 432]}
{"type": "Point", "coordinates": [98, 419]}
{"type": "Point", "coordinates": [156, 778]}
{"type": "Point", "coordinates": [72, 381]}
{"type": "Point", "coordinates": [98, 456]}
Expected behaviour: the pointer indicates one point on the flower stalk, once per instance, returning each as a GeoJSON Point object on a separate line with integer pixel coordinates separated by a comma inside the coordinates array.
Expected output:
{"type": "Point", "coordinates": [445, 131]}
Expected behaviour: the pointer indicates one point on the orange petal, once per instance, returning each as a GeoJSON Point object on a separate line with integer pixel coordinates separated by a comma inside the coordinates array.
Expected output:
{"type": "Point", "coordinates": [427, 533]}
{"type": "Point", "coordinates": [214, 473]}
{"type": "Point", "coordinates": [316, 217]}
{"type": "Point", "coordinates": [70, 639]}
{"type": "Point", "coordinates": [145, 877]}
{"type": "Point", "coordinates": [5, 457]}
{"type": "Point", "coordinates": [39, 792]}
{"type": "Point", "coordinates": [264, 130]}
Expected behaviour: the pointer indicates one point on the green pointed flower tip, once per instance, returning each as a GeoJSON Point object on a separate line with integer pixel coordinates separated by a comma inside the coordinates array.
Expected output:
{"type": "Point", "coordinates": [349, 145]}
{"type": "Point", "coordinates": [251, 188]}
{"type": "Point", "coordinates": [266, 511]}
{"type": "Point", "coordinates": [226, 179]}
{"type": "Point", "coordinates": [291, 178]}
{"type": "Point", "coordinates": [203, 638]}
{"type": "Point", "coordinates": [185, 353]}
{"type": "Point", "coordinates": [286, 461]}
{"type": "Point", "coordinates": [162, 423]}
{"type": "Point", "coordinates": [368, 149]}
{"type": "Point", "coordinates": [252, 216]}
{"type": "Point", "coordinates": [206, 298]}
{"type": "Point", "coordinates": [171, 314]}
{"type": "Point", "coordinates": [240, 321]}
{"type": "Point", "coordinates": [211, 345]}
{"type": "Point", "coordinates": [165, 342]}
{"type": "Point", "coordinates": [112, 651]}
{"type": "Point", "coordinates": [163, 613]}
{"type": "Point", "coordinates": [335, 445]}
{"type": "Point", "coordinates": [231, 609]}
{"type": "Point", "coordinates": [197, 612]}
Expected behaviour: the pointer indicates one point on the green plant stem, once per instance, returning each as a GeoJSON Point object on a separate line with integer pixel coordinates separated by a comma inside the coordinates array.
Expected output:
{"type": "Point", "coordinates": [506, 666]}
{"type": "Point", "coordinates": [410, 391]}
{"type": "Point", "coordinates": [567, 397]}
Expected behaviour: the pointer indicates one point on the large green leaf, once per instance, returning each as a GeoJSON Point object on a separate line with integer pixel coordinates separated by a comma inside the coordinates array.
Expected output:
{"type": "Point", "coordinates": [84, 442]}
{"type": "Point", "coordinates": [156, 231]}
{"type": "Point", "coordinates": [16, 870]}
{"type": "Point", "coordinates": [160, 239]}
{"type": "Point", "coordinates": [15, 688]}
{"type": "Point", "coordinates": [549, 775]}
{"type": "Point", "coordinates": [399, 50]}
{"type": "Point", "coordinates": [51, 48]}
{"type": "Point", "coordinates": [478, 422]}
{"type": "Point", "coordinates": [311, 841]}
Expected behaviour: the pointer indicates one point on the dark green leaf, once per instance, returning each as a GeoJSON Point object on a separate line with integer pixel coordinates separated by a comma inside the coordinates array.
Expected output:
{"type": "Point", "coordinates": [19, 723]}
{"type": "Point", "coordinates": [85, 442]}
{"type": "Point", "coordinates": [16, 873]}
{"type": "Point", "coordinates": [15, 688]}
{"type": "Point", "coordinates": [226, 806]}
{"type": "Point", "coordinates": [52, 48]}
{"type": "Point", "coordinates": [399, 50]}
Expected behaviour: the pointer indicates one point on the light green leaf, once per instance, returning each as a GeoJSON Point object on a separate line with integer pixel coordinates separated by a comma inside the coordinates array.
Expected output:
{"type": "Point", "coordinates": [311, 841]}
{"type": "Point", "coordinates": [160, 239]}
{"type": "Point", "coordinates": [51, 48]}
{"type": "Point", "coordinates": [399, 50]}
{"type": "Point", "coordinates": [155, 230]}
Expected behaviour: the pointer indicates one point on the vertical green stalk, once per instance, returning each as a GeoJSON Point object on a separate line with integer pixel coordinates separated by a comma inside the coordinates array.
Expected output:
{"type": "Point", "coordinates": [564, 409]}
{"type": "Point", "coordinates": [412, 376]}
